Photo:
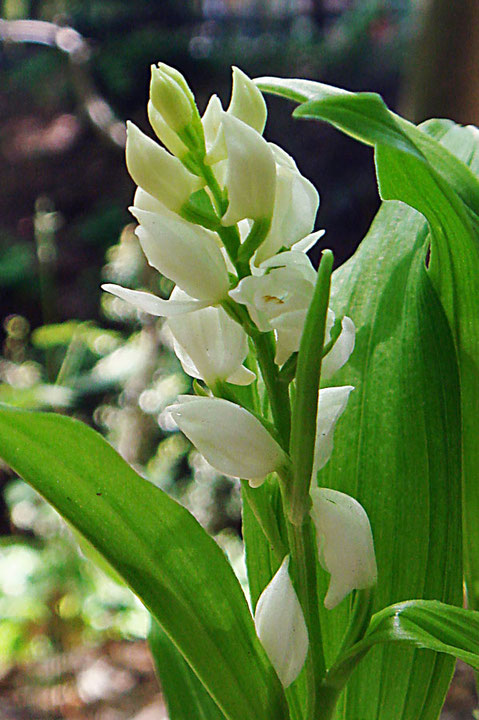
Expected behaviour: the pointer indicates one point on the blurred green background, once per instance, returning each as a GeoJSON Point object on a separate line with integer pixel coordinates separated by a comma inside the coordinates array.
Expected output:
{"type": "Point", "coordinates": [72, 72]}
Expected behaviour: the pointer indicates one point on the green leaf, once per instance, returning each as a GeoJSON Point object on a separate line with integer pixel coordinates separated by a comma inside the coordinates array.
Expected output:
{"type": "Point", "coordinates": [397, 450]}
{"type": "Point", "coordinates": [159, 549]}
{"type": "Point", "coordinates": [416, 169]}
{"type": "Point", "coordinates": [446, 192]}
{"type": "Point", "coordinates": [425, 624]}
{"type": "Point", "coordinates": [305, 406]}
{"type": "Point", "coordinates": [398, 446]}
{"type": "Point", "coordinates": [186, 698]}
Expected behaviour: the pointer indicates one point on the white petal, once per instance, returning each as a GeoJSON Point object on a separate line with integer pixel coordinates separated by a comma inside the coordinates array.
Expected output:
{"type": "Point", "coordinates": [330, 319]}
{"type": "Point", "coordinates": [187, 363]}
{"type": "Point", "coordinates": [144, 201]}
{"type": "Point", "coordinates": [241, 376]}
{"type": "Point", "coordinates": [288, 331]}
{"type": "Point", "coordinates": [232, 440]}
{"type": "Point", "coordinates": [146, 302]}
{"type": "Point", "coordinates": [183, 252]}
{"type": "Point", "coordinates": [331, 405]}
{"type": "Point", "coordinates": [345, 543]}
{"type": "Point", "coordinates": [247, 102]}
{"type": "Point", "coordinates": [211, 343]}
{"type": "Point", "coordinates": [295, 207]}
{"type": "Point", "coordinates": [280, 626]}
{"type": "Point", "coordinates": [213, 129]}
{"type": "Point", "coordinates": [308, 242]}
{"type": "Point", "coordinates": [251, 173]}
{"type": "Point", "coordinates": [156, 171]}
{"type": "Point", "coordinates": [282, 158]}
{"type": "Point", "coordinates": [341, 350]}
{"type": "Point", "coordinates": [244, 294]}
{"type": "Point", "coordinates": [272, 298]}
{"type": "Point", "coordinates": [298, 262]}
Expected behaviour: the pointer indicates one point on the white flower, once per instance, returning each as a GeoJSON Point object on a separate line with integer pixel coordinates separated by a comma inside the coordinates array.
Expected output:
{"type": "Point", "coordinates": [281, 627]}
{"type": "Point", "coordinates": [157, 171]}
{"type": "Point", "coordinates": [250, 174]}
{"type": "Point", "coordinates": [342, 348]}
{"type": "Point", "coordinates": [210, 345]}
{"type": "Point", "coordinates": [247, 102]}
{"type": "Point", "coordinates": [183, 252]}
{"type": "Point", "coordinates": [279, 298]}
{"type": "Point", "coordinates": [331, 405]}
{"type": "Point", "coordinates": [295, 206]}
{"type": "Point", "coordinates": [345, 543]}
{"type": "Point", "coordinates": [232, 440]}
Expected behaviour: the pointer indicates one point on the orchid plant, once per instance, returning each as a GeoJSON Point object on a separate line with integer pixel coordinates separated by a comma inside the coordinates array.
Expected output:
{"type": "Point", "coordinates": [345, 405]}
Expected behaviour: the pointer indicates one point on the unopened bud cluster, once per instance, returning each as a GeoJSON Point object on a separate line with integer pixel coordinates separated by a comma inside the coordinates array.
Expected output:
{"type": "Point", "coordinates": [229, 218]}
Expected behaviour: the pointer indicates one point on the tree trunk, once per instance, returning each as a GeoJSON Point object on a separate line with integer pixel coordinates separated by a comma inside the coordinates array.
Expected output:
{"type": "Point", "coordinates": [443, 75]}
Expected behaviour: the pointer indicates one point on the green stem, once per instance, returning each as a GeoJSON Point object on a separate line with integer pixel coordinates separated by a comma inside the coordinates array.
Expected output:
{"type": "Point", "coordinates": [359, 622]}
{"type": "Point", "coordinates": [305, 408]}
{"type": "Point", "coordinates": [303, 555]}
{"type": "Point", "coordinates": [230, 238]}
{"type": "Point", "coordinates": [218, 196]}
{"type": "Point", "coordinates": [239, 314]}
{"type": "Point", "coordinates": [277, 391]}
{"type": "Point", "coordinates": [288, 371]}
{"type": "Point", "coordinates": [350, 654]}
{"type": "Point", "coordinates": [336, 679]}
{"type": "Point", "coordinates": [255, 237]}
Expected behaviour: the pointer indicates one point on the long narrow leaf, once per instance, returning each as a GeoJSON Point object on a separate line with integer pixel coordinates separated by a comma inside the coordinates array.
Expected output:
{"type": "Point", "coordinates": [159, 549]}
{"type": "Point", "coordinates": [186, 697]}
{"type": "Point", "coordinates": [425, 624]}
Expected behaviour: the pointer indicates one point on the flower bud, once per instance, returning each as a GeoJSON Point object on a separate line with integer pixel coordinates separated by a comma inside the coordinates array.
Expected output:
{"type": "Point", "coordinates": [345, 543]}
{"type": "Point", "coordinates": [341, 350]}
{"type": "Point", "coordinates": [184, 253]}
{"type": "Point", "coordinates": [163, 132]}
{"type": "Point", "coordinates": [280, 626]}
{"type": "Point", "coordinates": [180, 80]}
{"type": "Point", "coordinates": [232, 440]}
{"type": "Point", "coordinates": [213, 130]}
{"type": "Point", "coordinates": [331, 405]}
{"type": "Point", "coordinates": [156, 171]}
{"type": "Point", "coordinates": [250, 175]}
{"type": "Point", "coordinates": [210, 345]}
{"type": "Point", "coordinates": [169, 98]}
{"type": "Point", "coordinates": [247, 102]}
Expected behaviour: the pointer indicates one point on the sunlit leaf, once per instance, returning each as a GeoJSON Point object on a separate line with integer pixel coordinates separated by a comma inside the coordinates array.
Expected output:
{"type": "Point", "coordinates": [398, 446]}
{"type": "Point", "coordinates": [155, 544]}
